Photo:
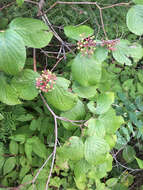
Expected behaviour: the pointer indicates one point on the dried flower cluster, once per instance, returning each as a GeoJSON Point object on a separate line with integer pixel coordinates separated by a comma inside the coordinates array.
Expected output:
{"type": "Point", "coordinates": [88, 45]}
{"type": "Point", "coordinates": [46, 81]}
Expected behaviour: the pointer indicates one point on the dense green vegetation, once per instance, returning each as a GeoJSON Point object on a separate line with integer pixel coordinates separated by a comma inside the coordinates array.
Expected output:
{"type": "Point", "coordinates": [71, 95]}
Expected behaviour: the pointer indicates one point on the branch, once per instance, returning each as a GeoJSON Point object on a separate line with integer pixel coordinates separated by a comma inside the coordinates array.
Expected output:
{"type": "Point", "coordinates": [6, 6]}
{"type": "Point", "coordinates": [40, 5]}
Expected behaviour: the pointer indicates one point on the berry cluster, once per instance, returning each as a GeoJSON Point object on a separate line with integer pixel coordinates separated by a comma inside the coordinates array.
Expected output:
{"type": "Point", "coordinates": [88, 45]}
{"type": "Point", "coordinates": [110, 44]}
{"type": "Point", "coordinates": [46, 81]}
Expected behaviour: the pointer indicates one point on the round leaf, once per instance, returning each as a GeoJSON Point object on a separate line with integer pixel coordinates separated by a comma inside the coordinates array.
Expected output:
{"type": "Point", "coordinates": [60, 97]}
{"type": "Point", "coordinates": [74, 148]}
{"type": "Point", "coordinates": [86, 71]}
{"type": "Point", "coordinates": [84, 92]}
{"type": "Point", "coordinates": [78, 32]}
{"type": "Point", "coordinates": [111, 121]}
{"type": "Point", "coordinates": [95, 149]}
{"type": "Point", "coordinates": [33, 31]}
{"type": "Point", "coordinates": [101, 54]}
{"type": "Point", "coordinates": [135, 19]}
{"type": "Point", "coordinates": [129, 154]}
{"type": "Point", "coordinates": [24, 84]}
{"type": "Point", "coordinates": [12, 52]}
{"type": "Point", "coordinates": [8, 94]}
{"type": "Point", "coordinates": [104, 102]}
{"type": "Point", "coordinates": [9, 165]}
{"type": "Point", "coordinates": [13, 147]}
{"type": "Point", "coordinates": [125, 50]}
{"type": "Point", "coordinates": [76, 113]}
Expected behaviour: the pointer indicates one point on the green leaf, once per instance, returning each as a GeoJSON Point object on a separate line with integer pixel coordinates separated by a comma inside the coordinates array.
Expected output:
{"type": "Point", "coordinates": [8, 94]}
{"type": "Point", "coordinates": [26, 117]}
{"type": "Point", "coordinates": [73, 149]}
{"type": "Point", "coordinates": [76, 113]}
{"type": "Point", "coordinates": [111, 140]}
{"type": "Point", "coordinates": [86, 71]}
{"type": "Point", "coordinates": [125, 50]}
{"type": "Point", "coordinates": [76, 32]}
{"type": "Point", "coordinates": [60, 97]}
{"type": "Point", "coordinates": [33, 31]}
{"type": "Point", "coordinates": [81, 167]}
{"type": "Point", "coordinates": [100, 54]}
{"type": "Point", "coordinates": [140, 75]}
{"type": "Point", "coordinates": [140, 162]}
{"type": "Point", "coordinates": [129, 153]}
{"type": "Point", "coordinates": [103, 168]}
{"type": "Point", "coordinates": [139, 88]}
{"type": "Point", "coordinates": [104, 102]}
{"type": "Point", "coordinates": [34, 125]}
{"type": "Point", "coordinates": [120, 186]}
{"type": "Point", "coordinates": [95, 128]}
{"type": "Point", "coordinates": [3, 23]}
{"type": "Point", "coordinates": [13, 147]}
{"type": "Point", "coordinates": [1, 117]}
{"type": "Point", "coordinates": [91, 107]}
{"type": "Point", "coordinates": [138, 2]}
{"type": "Point", "coordinates": [28, 150]}
{"type": "Point", "coordinates": [12, 52]}
{"type": "Point", "coordinates": [127, 85]}
{"type": "Point", "coordinates": [38, 147]}
{"type": "Point", "coordinates": [127, 179]}
{"type": "Point", "coordinates": [24, 170]}
{"type": "Point", "coordinates": [84, 92]}
{"type": "Point", "coordinates": [95, 150]}
{"type": "Point", "coordinates": [18, 138]}
{"type": "Point", "coordinates": [20, 2]}
{"type": "Point", "coordinates": [111, 121]}
{"type": "Point", "coordinates": [111, 182]}
{"type": "Point", "coordinates": [9, 165]}
{"type": "Point", "coordinates": [26, 179]}
{"type": "Point", "coordinates": [24, 84]}
{"type": "Point", "coordinates": [134, 19]}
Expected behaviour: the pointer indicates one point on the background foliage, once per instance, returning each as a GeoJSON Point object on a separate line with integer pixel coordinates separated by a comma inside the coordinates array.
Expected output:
{"type": "Point", "coordinates": [103, 91]}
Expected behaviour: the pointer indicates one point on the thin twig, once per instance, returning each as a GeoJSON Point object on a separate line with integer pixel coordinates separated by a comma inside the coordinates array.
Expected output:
{"type": "Point", "coordinates": [34, 60]}
{"type": "Point", "coordinates": [5, 6]}
{"type": "Point", "coordinates": [130, 169]}
{"type": "Point", "coordinates": [54, 153]}
{"type": "Point", "coordinates": [56, 140]}
{"type": "Point", "coordinates": [33, 2]}
{"type": "Point", "coordinates": [57, 63]}
{"type": "Point", "coordinates": [36, 176]}
{"type": "Point", "coordinates": [116, 5]}
{"type": "Point", "coordinates": [46, 20]}
{"type": "Point", "coordinates": [40, 5]}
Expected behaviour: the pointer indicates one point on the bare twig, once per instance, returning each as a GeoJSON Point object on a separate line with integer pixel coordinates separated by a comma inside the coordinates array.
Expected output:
{"type": "Point", "coordinates": [40, 5]}
{"type": "Point", "coordinates": [34, 60]}
{"type": "Point", "coordinates": [57, 63]}
{"type": "Point", "coordinates": [32, 2]}
{"type": "Point", "coordinates": [56, 135]}
{"type": "Point", "coordinates": [56, 140]}
{"type": "Point", "coordinates": [123, 166]}
{"type": "Point", "coordinates": [36, 176]}
{"type": "Point", "coordinates": [116, 5]}
{"type": "Point", "coordinates": [46, 20]}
